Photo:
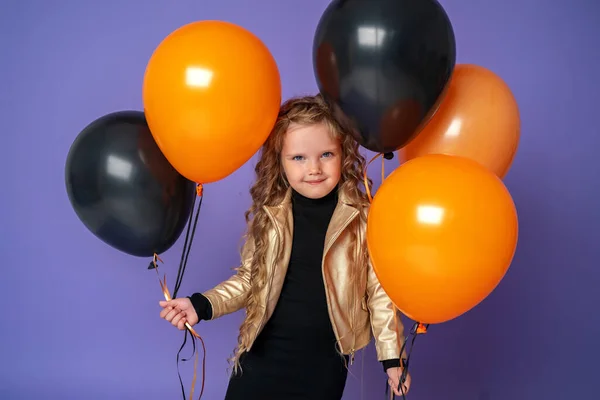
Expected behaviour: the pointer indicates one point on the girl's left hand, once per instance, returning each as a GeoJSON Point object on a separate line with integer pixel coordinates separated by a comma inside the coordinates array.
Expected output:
{"type": "Point", "coordinates": [394, 375]}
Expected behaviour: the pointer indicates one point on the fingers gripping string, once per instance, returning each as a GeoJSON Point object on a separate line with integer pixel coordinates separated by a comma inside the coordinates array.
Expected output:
{"type": "Point", "coordinates": [167, 295]}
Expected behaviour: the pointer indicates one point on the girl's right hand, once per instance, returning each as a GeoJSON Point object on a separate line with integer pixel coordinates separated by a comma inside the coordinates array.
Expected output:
{"type": "Point", "coordinates": [178, 312]}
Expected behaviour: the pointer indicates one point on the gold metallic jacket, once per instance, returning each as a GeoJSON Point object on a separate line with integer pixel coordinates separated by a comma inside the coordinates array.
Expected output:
{"type": "Point", "coordinates": [358, 308]}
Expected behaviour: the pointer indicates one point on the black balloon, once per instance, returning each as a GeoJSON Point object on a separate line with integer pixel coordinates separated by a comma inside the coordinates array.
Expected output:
{"type": "Point", "coordinates": [122, 187]}
{"type": "Point", "coordinates": [384, 65]}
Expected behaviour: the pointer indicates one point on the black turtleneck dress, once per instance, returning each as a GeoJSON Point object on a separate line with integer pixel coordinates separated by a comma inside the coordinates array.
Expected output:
{"type": "Point", "coordinates": [295, 356]}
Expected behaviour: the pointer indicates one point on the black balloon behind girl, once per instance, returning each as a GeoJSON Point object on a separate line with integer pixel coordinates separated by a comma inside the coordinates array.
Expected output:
{"type": "Point", "coordinates": [384, 66]}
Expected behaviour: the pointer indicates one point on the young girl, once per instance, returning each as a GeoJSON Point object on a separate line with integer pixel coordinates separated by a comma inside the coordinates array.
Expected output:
{"type": "Point", "coordinates": [310, 293]}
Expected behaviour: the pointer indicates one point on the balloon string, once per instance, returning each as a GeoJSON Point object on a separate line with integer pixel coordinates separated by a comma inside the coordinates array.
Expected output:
{"type": "Point", "coordinates": [167, 295]}
{"type": "Point", "coordinates": [366, 177]}
{"type": "Point", "coordinates": [417, 329]}
{"type": "Point", "coordinates": [189, 237]}
{"type": "Point", "coordinates": [187, 245]}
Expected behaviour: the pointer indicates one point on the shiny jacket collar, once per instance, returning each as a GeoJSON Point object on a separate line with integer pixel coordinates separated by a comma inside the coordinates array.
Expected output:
{"type": "Point", "coordinates": [281, 216]}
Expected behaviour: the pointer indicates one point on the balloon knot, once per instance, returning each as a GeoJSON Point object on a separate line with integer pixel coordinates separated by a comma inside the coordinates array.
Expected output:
{"type": "Point", "coordinates": [199, 190]}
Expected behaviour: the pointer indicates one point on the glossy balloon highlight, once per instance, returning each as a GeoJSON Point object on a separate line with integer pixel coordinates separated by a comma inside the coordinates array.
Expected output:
{"type": "Point", "coordinates": [211, 95]}
{"type": "Point", "coordinates": [383, 65]}
{"type": "Point", "coordinates": [122, 187]}
{"type": "Point", "coordinates": [478, 118]}
{"type": "Point", "coordinates": [442, 232]}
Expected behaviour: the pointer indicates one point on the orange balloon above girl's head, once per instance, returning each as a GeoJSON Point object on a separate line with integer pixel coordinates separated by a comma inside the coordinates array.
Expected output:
{"type": "Point", "coordinates": [211, 95]}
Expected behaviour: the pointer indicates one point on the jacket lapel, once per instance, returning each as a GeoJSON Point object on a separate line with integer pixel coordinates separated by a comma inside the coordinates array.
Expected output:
{"type": "Point", "coordinates": [341, 218]}
{"type": "Point", "coordinates": [282, 218]}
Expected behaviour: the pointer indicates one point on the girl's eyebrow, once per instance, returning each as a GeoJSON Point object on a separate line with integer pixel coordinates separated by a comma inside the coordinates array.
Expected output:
{"type": "Point", "coordinates": [293, 154]}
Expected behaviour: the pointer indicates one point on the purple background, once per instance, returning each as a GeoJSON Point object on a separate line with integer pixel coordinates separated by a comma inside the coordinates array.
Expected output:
{"type": "Point", "coordinates": [80, 320]}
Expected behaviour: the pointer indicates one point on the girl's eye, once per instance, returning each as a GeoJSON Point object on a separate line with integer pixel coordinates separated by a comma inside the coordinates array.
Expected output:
{"type": "Point", "coordinates": [297, 158]}
{"type": "Point", "coordinates": [327, 154]}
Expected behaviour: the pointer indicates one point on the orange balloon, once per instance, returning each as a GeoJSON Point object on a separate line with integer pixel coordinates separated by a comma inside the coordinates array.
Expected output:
{"type": "Point", "coordinates": [442, 232]}
{"type": "Point", "coordinates": [478, 118]}
{"type": "Point", "coordinates": [211, 95]}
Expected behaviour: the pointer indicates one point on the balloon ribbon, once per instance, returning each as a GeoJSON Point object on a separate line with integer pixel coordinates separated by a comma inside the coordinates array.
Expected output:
{"type": "Point", "coordinates": [163, 284]}
{"type": "Point", "coordinates": [365, 176]}
{"type": "Point", "coordinates": [187, 245]}
{"type": "Point", "coordinates": [167, 295]}
{"type": "Point", "coordinates": [418, 328]}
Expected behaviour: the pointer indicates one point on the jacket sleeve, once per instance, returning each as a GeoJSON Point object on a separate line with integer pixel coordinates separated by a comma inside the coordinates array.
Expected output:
{"type": "Point", "coordinates": [231, 295]}
{"type": "Point", "coordinates": [388, 329]}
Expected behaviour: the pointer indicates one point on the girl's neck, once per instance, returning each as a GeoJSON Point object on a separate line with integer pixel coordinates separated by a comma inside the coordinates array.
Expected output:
{"type": "Point", "coordinates": [330, 198]}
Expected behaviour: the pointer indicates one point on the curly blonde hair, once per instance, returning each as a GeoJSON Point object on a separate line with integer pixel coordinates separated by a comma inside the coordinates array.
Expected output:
{"type": "Point", "coordinates": [271, 186]}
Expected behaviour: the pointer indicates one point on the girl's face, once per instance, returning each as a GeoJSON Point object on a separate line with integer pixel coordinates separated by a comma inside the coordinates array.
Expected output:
{"type": "Point", "coordinates": [311, 159]}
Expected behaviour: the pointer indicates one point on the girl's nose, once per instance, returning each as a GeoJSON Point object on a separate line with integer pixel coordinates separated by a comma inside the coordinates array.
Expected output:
{"type": "Point", "coordinates": [315, 167]}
